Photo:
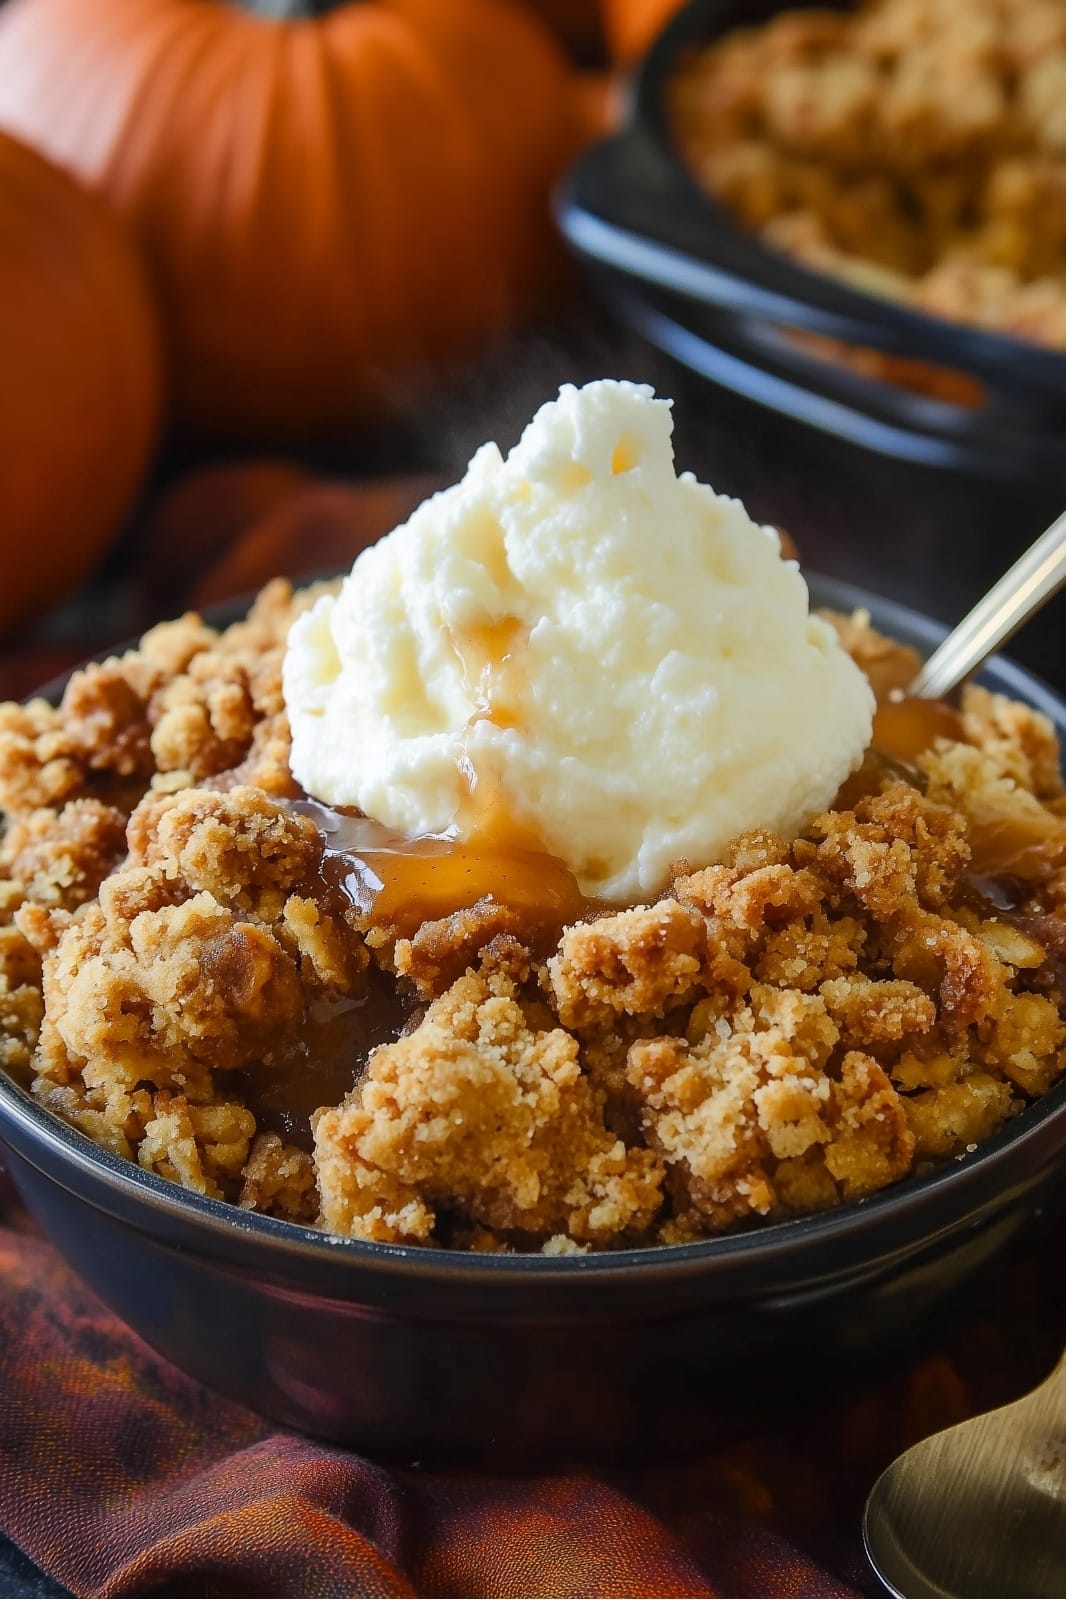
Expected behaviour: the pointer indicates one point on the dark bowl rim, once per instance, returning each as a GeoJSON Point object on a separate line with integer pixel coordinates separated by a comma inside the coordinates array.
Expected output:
{"type": "Point", "coordinates": [978, 349]}
{"type": "Point", "coordinates": [763, 1243]}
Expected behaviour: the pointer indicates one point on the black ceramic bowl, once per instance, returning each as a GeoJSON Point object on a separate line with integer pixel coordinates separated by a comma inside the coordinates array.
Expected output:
{"type": "Point", "coordinates": [692, 280]}
{"type": "Point", "coordinates": [434, 1355]}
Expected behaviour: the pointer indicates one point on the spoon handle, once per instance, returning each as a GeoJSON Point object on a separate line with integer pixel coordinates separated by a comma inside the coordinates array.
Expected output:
{"type": "Point", "coordinates": [1033, 579]}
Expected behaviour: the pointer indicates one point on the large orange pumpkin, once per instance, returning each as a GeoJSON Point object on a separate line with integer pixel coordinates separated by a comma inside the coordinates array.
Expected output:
{"type": "Point", "coordinates": [80, 384]}
{"type": "Point", "coordinates": [330, 203]}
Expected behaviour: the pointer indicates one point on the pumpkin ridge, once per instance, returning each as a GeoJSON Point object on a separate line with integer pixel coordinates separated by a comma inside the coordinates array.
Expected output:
{"type": "Point", "coordinates": [438, 116]}
{"type": "Point", "coordinates": [156, 52]}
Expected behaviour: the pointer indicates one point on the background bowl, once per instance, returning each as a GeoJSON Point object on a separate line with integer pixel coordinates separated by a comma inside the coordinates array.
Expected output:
{"type": "Point", "coordinates": [681, 270]}
{"type": "Point", "coordinates": [433, 1355]}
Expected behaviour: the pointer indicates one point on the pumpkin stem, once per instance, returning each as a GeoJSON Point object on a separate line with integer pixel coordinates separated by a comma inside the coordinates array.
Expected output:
{"type": "Point", "coordinates": [289, 10]}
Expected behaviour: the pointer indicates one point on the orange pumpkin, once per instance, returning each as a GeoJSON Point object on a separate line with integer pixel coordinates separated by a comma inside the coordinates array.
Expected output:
{"type": "Point", "coordinates": [331, 204]}
{"type": "Point", "coordinates": [80, 384]}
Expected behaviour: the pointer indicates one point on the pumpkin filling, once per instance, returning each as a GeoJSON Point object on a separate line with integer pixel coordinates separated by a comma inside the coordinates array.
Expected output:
{"type": "Point", "coordinates": [443, 1041]}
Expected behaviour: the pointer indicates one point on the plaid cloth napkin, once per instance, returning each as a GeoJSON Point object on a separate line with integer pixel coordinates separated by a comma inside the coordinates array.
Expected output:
{"type": "Point", "coordinates": [120, 1476]}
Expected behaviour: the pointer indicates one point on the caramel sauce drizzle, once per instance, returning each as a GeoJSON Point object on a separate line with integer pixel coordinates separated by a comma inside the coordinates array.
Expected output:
{"type": "Point", "coordinates": [486, 653]}
{"type": "Point", "coordinates": [485, 819]}
{"type": "Point", "coordinates": [393, 881]}
{"type": "Point", "coordinates": [904, 726]}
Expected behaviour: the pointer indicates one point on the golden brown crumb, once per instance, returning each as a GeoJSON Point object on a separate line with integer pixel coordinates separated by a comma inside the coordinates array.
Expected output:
{"type": "Point", "coordinates": [810, 951]}
{"type": "Point", "coordinates": [189, 700]}
{"type": "Point", "coordinates": [872, 1143]}
{"type": "Point", "coordinates": [279, 1179]}
{"type": "Point", "coordinates": [21, 1012]}
{"type": "Point", "coordinates": [894, 850]}
{"type": "Point", "coordinates": [751, 896]}
{"type": "Point", "coordinates": [956, 1115]}
{"type": "Point", "coordinates": [115, 1120]}
{"type": "Point", "coordinates": [638, 960]}
{"type": "Point", "coordinates": [266, 763]}
{"type": "Point", "coordinates": [248, 851]}
{"type": "Point", "coordinates": [331, 958]}
{"type": "Point", "coordinates": [19, 960]}
{"type": "Point", "coordinates": [870, 1012]}
{"type": "Point", "coordinates": [756, 1092]}
{"type": "Point", "coordinates": [1010, 832]}
{"type": "Point", "coordinates": [105, 707]}
{"type": "Point", "coordinates": [39, 764]}
{"type": "Point", "coordinates": [201, 1147]}
{"type": "Point", "coordinates": [181, 985]}
{"type": "Point", "coordinates": [1020, 742]}
{"type": "Point", "coordinates": [164, 982]}
{"type": "Point", "coordinates": [1026, 1039]}
{"type": "Point", "coordinates": [478, 1113]}
{"type": "Point", "coordinates": [444, 948]}
{"type": "Point", "coordinates": [963, 971]}
{"type": "Point", "coordinates": [60, 858]}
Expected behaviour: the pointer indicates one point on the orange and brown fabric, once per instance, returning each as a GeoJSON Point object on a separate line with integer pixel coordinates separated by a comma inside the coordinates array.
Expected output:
{"type": "Point", "coordinates": [120, 1476]}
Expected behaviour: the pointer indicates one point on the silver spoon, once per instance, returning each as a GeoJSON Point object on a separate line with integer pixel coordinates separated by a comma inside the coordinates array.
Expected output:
{"type": "Point", "coordinates": [1019, 594]}
{"type": "Point", "coordinates": [979, 1509]}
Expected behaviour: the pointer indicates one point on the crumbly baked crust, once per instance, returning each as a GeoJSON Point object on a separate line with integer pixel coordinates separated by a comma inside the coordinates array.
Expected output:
{"type": "Point", "coordinates": [832, 134]}
{"type": "Point", "coordinates": [794, 1027]}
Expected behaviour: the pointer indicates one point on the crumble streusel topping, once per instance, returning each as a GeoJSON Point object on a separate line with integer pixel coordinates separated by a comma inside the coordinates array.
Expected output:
{"type": "Point", "coordinates": [794, 1027]}
{"type": "Point", "coordinates": [915, 148]}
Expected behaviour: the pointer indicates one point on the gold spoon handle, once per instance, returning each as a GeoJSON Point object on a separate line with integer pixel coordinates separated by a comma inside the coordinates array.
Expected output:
{"type": "Point", "coordinates": [1033, 579]}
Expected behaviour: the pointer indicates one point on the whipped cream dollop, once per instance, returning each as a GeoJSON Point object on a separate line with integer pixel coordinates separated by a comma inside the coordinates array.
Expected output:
{"type": "Point", "coordinates": [611, 657]}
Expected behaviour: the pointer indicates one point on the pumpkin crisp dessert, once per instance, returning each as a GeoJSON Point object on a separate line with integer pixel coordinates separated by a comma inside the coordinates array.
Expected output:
{"type": "Point", "coordinates": [495, 1034]}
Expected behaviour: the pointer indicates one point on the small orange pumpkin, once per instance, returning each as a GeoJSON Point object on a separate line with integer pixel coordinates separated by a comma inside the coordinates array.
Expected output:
{"type": "Point", "coordinates": [80, 382]}
{"type": "Point", "coordinates": [331, 204]}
